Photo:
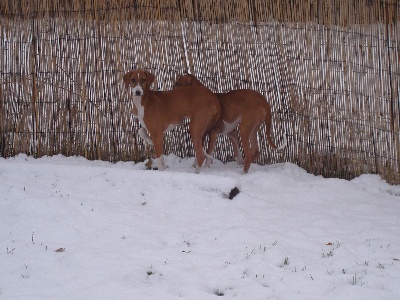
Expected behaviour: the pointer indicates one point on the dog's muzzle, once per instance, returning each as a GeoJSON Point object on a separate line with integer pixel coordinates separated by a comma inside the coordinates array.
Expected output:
{"type": "Point", "coordinates": [137, 90]}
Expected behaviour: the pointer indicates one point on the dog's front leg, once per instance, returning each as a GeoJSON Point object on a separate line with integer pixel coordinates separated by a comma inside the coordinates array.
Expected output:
{"type": "Point", "coordinates": [158, 140]}
{"type": "Point", "coordinates": [143, 133]}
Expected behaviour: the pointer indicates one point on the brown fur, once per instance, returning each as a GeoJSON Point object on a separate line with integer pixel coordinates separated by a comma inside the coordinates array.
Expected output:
{"type": "Point", "coordinates": [248, 106]}
{"type": "Point", "coordinates": [166, 108]}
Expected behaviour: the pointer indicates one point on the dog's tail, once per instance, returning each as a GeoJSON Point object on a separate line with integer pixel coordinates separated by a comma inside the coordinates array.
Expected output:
{"type": "Point", "coordinates": [272, 144]}
{"type": "Point", "coordinates": [284, 144]}
{"type": "Point", "coordinates": [268, 125]}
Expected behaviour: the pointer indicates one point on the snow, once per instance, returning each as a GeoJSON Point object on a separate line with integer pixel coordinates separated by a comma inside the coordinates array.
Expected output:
{"type": "Point", "coordinates": [122, 232]}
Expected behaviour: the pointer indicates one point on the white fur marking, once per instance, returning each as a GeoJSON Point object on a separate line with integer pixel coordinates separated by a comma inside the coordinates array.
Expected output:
{"type": "Point", "coordinates": [160, 163]}
{"type": "Point", "coordinates": [137, 101]}
{"type": "Point", "coordinates": [144, 134]}
{"type": "Point", "coordinates": [206, 154]}
{"type": "Point", "coordinates": [170, 127]}
{"type": "Point", "coordinates": [208, 162]}
{"type": "Point", "coordinates": [228, 127]}
{"type": "Point", "coordinates": [284, 144]}
{"type": "Point", "coordinates": [139, 89]}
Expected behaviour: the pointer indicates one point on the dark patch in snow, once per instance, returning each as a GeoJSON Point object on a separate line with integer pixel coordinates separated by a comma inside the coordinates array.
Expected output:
{"type": "Point", "coordinates": [233, 193]}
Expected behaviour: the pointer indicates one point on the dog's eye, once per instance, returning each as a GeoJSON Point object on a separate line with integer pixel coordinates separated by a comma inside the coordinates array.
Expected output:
{"type": "Point", "coordinates": [133, 80]}
{"type": "Point", "coordinates": [143, 80]}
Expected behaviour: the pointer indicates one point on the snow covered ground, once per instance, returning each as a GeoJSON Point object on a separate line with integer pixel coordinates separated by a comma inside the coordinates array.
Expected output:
{"type": "Point", "coordinates": [77, 229]}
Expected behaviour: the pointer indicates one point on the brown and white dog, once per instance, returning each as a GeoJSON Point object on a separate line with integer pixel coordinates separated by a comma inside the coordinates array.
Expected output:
{"type": "Point", "coordinates": [160, 111]}
{"type": "Point", "coordinates": [247, 107]}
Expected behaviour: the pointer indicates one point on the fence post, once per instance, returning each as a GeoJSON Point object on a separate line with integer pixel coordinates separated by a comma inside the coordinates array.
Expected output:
{"type": "Point", "coordinates": [34, 97]}
{"type": "Point", "coordinates": [2, 123]}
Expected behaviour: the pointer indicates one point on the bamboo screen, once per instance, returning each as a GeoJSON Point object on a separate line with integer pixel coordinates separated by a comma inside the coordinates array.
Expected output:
{"type": "Point", "coordinates": [329, 69]}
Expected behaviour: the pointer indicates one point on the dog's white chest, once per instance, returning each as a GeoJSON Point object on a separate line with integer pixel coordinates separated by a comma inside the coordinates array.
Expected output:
{"type": "Point", "coordinates": [137, 101]}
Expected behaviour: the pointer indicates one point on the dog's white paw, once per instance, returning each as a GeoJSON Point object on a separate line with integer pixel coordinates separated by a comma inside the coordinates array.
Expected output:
{"type": "Point", "coordinates": [208, 162]}
{"type": "Point", "coordinates": [194, 165]}
{"type": "Point", "coordinates": [239, 160]}
{"type": "Point", "coordinates": [160, 163]}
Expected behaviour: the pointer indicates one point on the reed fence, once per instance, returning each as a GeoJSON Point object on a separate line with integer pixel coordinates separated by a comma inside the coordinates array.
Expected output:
{"type": "Point", "coordinates": [329, 69]}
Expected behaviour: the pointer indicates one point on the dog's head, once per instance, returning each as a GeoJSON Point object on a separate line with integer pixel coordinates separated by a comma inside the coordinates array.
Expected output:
{"type": "Point", "coordinates": [139, 80]}
{"type": "Point", "coordinates": [186, 80]}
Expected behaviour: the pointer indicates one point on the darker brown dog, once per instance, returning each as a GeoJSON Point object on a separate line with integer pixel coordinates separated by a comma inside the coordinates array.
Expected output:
{"type": "Point", "coordinates": [247, 107]}
{"type": "Point", "coordinates": [159, 112]}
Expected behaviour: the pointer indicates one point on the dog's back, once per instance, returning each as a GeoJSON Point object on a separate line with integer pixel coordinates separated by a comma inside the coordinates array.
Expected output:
{"type": "Point", "coordinates": [233, 103]}
{"type": "Point", "coordinates": [240, 102]}
{"type": "Point", "coordinates": [186, 101]}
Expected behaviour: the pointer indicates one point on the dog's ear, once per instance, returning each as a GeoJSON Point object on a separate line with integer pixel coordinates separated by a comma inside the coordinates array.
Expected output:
{"type": "Point", "coordinates": [188, 79]}
{"type": "Point", "coordinates": [149, 78]}
{"type": "Point", "coordinates": [127, 79]}
{"type": "Point", "coordinates": [195, 81]}
{"type": "Point", "coordinates": [178, 82]}
{"type": "Point", "coordinates": [184, 80]}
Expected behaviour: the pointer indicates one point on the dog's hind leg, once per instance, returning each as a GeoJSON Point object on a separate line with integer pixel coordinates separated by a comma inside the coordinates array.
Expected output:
{"type": "Point", "coordinates": [197, 138]}
{"type": "Point", "coordinates": [245, 132]}
{"type": "Point", "coordinates": [200, 157]}
{"type": "Point", "coordinates": [194, 165]}
{"type": "Point", "coordinates": [233, 136]}
{"type": "Point", "coordinates": [255, 151]}
{"type": "Point", "coordinates": [212, 140]}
